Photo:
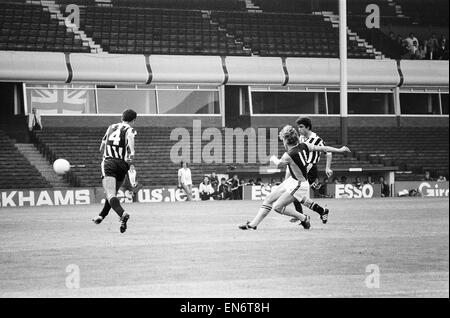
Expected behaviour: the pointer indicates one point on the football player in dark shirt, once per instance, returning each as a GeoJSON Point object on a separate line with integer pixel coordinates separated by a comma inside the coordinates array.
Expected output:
{"type": "Point", "coordinates": [295, 187]}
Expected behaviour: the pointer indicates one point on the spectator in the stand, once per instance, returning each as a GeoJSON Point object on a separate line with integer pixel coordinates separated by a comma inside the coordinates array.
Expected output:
{"type": "Point", "coordinates": [399, 40]}
{"type": "Point", "coordinates": [344, 180]}
{"type": "Point", "coordinates": [369, 180]}
{"type": "Point", "coordinates": [251, 182]}
{"type": "Point", "coordinates": [441, 179]}
{"type": "Point", "coordinates": [34, 120]}
{"type": "Point", "coordinates": [413, 50]}
{"type": "Point", "coordinates": [214, 181]}
{"type": "Point", "coordinates": [273, 182]}
{"type": "Point", "coordinates": [421, 53]}
{"type": "Point", "coordinates": [185, 180]}
{"type": "Point", "coordinates": [410, 41]}
{"type": "Point", "coordinates": [358, 183]}
{"type": "Point", "coordinates": [392, 36]}
{"type": "Point", "coordinates": [442, 51]}
{"type": "Point", "coordinates": [427, 176]}
{"type": "Point", "coordinates": [402, 44]}
{"type": "Point", "coordinates": [259, 182]}
{"type": "Point", "coordinates": [235, 193]}
{"type": "Point", "coordinates": [336, 180]}
{"type": "Point", "coordinates": [432, 47]}
{"type": "Point", "coordinates": [385, 191]}
{"type": "Point", "coordinates": [224, 190]}
{"type": "Point", "coordinates": [205, 189]}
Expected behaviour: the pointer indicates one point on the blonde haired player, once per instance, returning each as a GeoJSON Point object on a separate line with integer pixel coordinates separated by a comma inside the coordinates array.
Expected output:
{"type": "Point", "coordinates": [296, 186]}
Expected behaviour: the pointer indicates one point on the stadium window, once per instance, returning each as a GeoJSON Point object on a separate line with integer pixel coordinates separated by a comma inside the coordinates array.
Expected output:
{"type": "Point", "coordinates": [106, 86]}
{"type": "Point", "coordinates": [444, 101]}
{"type": "Point", "coordinates": [288, 102]}
{"type": "Point", "coordinates": [244, 107]}
{"type": "Point", "coordinates": [371, 103]}
{"type": "Point", "coordinates": [113, 101]}
{"type": "Point", "coordinates": [188, 102]}
{"type": "Point", "coordinates": [54, 99]}
{"type": "Point", "coordinates": [334, 103]}
{"type": "Point", "coordinates": [419, 104]}
{"type": "Point", "coordinates": [362, 103]}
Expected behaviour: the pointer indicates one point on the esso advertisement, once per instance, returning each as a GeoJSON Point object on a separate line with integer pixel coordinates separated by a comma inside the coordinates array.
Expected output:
{"type": "Point", "coordinates": [350, 191]}
{"type": "Point", "coordinates": [259, 192]}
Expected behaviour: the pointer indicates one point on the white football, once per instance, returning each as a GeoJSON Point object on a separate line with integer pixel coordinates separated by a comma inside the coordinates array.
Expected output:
{"type": "Point", "coordinates": [61, 166]}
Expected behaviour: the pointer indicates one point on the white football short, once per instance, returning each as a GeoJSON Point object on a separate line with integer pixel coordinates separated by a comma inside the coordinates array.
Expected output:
{"type": "Point", "coordinates": [297, 189]}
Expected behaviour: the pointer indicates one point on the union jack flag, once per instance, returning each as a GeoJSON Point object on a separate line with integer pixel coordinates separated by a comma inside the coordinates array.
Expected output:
{"type": "Point", "coordinates": [60, 101]}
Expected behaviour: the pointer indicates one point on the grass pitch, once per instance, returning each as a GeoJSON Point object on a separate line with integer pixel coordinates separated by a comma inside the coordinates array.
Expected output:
{"type": "Point", "coordinates": [194, 249]}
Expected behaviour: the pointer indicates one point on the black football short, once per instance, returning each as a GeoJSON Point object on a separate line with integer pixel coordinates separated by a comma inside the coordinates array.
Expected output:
{"type": "Point", "coordinates": [313, 174]}
{"type": "Point", "coordinates": [116, 168]}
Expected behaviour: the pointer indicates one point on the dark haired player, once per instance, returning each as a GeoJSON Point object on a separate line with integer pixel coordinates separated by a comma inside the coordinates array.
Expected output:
{"type": "Point", "coordinates": [307, 136]}
{"type": "Point", "coordinates": [118, 152]}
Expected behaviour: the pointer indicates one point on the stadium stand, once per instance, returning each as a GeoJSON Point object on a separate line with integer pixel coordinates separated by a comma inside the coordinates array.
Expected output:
{"type": "Point", "coordinates": [431, 12]}
{"type": "Point", "coordinates": [375, 37]}
{"type": "Point", "coordinates": [184, 4]}
{"type": "Point", "coordinates": [27, 27]}
{"type": "Point", "coordinates": [299, 35]}
{"type": "Point", "coordinates": [157, 31]}
{"type": "Point", "coordinates": [155, 27]}
{"type": "Point", "coordinates": [216, 27]}
{"type": "Point", "coordinates": [353, 6]}
{"type": "Point", "coordinates": [398, 16]}
{"type": "Point", "coordinates": [394, 146]}
{"type": "Point", "coordinates": [233, 5]}
{"type": "Point", "coordinates": [80, 146]}
{"type": "Point", "coordinates": [16, 170]}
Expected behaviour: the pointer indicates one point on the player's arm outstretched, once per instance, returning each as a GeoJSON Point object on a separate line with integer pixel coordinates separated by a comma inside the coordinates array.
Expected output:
{"type": "Point", "coordinates": [282, 162]}
{"type": "Point", "coordinates": [328, 170]}
{"type": "Point", "coordinates": [327, 148]}
{"type": "Point", "coordinates": [329, 156]}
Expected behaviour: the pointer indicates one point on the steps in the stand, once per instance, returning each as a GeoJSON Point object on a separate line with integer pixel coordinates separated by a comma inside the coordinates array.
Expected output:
{"type": "Point", "coordinates": [30, 152]}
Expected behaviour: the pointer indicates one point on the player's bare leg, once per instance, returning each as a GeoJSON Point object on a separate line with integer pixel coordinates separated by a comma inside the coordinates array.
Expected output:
{"type": "Point", "coordinates": [110, 186]}
{"type": "Point", "coordinates": [264, 210]}
{"type": "Point", "coordinates": [323, 212]}
{"type": "Point", "coordinates": [298, 208]}
{"type": "Point", "coordinates": [103, 213]}
{"type": "Point", "coordinates": [188, 190]}
{"type": "Point", "coordinates": [282, 206]}
{"type": "Point", "coordinates": [106, 208]}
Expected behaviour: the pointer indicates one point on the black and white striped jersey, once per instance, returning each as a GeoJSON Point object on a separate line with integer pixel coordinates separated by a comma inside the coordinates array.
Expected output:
{"type": "Point", "coordinates": [314, 139]}
{"type": "Point", "coordinates": [116, 139]}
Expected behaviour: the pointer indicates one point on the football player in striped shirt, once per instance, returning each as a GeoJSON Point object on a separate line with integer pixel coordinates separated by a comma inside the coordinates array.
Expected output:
{"type": "Point", "coordinates": [307, 136]}
{"type": "Point", "coordinates": [118, 153]}
{"type": "Point", "coordinates": [296, 186]}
